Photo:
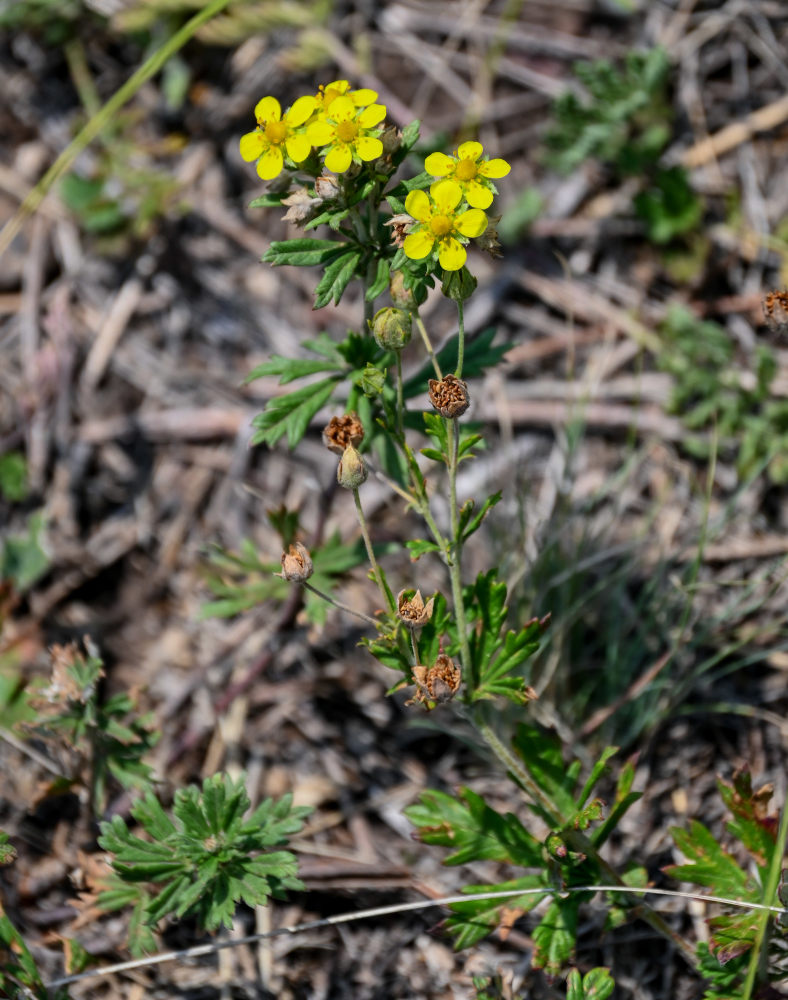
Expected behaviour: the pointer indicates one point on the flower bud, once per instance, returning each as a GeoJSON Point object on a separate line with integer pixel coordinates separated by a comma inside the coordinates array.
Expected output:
{"type": "Point", "coordinates": [449, 396]}
{"type": "Point", "coordinates": [296, 564]}
{"type": "Point", "coordinates": [391, 328]}
{"type": "Point", "coordinates": [412, 611]}
{"type": "Point", "coordinates": [400, 295]}
{"type": "Point", "coordinates": [342, 431]}
{"type": "Point", "coordinates": [351, 472]}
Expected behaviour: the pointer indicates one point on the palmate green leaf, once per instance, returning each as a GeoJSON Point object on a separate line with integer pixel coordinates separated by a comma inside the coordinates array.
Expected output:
{"type": "Point", "coordinates": [709, 865]}
{"type": "Point", "coordinates": [303, 252]}
{"type": "Point", "coordinates": [554, 937]}
{"type": "Point", "coordinates": [290, 414]}
{"type": "Point", "coordinates": [472, 920]}
{"type": "Point", "coordinates": [336, 277]}
{"type": "Point", "coordinates": [597, 984]}
{"type": "Point", "coordinates": [541, 753]}
{"type": "Point", "coordinates": [474, 830]}
{"type": "Point", "coordinates": [750, 824]}
{"type": "Point", "coordinates": [206, 858]}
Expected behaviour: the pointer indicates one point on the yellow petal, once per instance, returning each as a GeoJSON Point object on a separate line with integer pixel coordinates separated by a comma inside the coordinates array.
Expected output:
{"type": "Point", "coordinates": [268, 109]}
{"type": "Point", "coordinates": [341, 109]}
{"type": "Point", "coordinates": [477, 195]}
{"type": "Point", "coordinates": [300, 111]}
{"type": "Point", "coordinates": [298, 147]}
{"type": "Point", "coordinates": [439, 164]}
{"type": "Point", "coordinates": [451, 255]}
{"type": "Point", "coordinates": [251, 146]}
{"type": "Point", "coordinates": [494, 168]}
{"type": "Point", "coordinates": [470, 151]}
{"type": "Point", "coordinates": [417, 204]}
{"type": "Point", "coordinates": [362, 97]}
{"type": "Point", "coordinates": [370, 116]}
{"type": "Point", "coordinates": [471, 223]}
{"type": "Point", "coordinates": [369, 148]}
{"type": "Point", "coordinates": [339, 158]}
{"type": "Point", "coordinates": [270, 163]}
{"type": "Point", "coordinates": [320, 133]}
{"type": "Point", "coordinates": [446, 195]}
{"type": "Point", "coordinates": [418, 245]}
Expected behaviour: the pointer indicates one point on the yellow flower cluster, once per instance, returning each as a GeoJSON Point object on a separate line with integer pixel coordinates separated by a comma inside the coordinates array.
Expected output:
{"type": "Point", "coordinates": [452, 213]}
{"type": "Point", "coordinates": [342, 122]}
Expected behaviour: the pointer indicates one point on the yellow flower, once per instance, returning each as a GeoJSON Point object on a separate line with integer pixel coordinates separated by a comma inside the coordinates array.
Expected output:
{"type": "Point", "coordinates": [474, 175]}
{"type": "Point", "coordinates": [439, 224]}
{"type": "Point", "coordinates": [328, 91]}
{"type": "Point", "coordinates": [348, 131]}
{"type": "Point", "coordinates": [276, 134]}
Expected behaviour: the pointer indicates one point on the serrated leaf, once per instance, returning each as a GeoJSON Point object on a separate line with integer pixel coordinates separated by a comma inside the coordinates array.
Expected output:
{"type": "Point", "coordinates": [290, 369]}
{"type": "Point", "coordinates": [303, 252]}
{"type": "Point", "coordinates": [541, 753]}
{"type": "Point", "coordinates": [594, 985]}
{"type": "Point", "coordinates": [474, 919]}
{"type": "Point", "coordinates": [290, 414]}
{"type": "Point", "coordinates": [380, 281]}
{"type": "Point", "coordinates": [709, 865]}
{"type": "Point", "coordinates": [554, 937]}
{"type": "Point", "coordinates": [419, 547]}
{"type": "Point", "coordinates": [336, 277]}
{"type": "Point", "coordinates": [473, 829]}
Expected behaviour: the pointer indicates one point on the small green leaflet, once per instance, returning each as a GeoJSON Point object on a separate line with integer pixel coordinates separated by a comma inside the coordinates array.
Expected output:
{"type": "Point", "coordinates": [291, 414]}
{"type": "Point", "coordinates": [597, 984]}
{"type": "Point", "coordinates": [555, 935]}
{"type": "Point", "coordinates": [336, 277]}
{"type": "Point", "coordinates": [304, 252]}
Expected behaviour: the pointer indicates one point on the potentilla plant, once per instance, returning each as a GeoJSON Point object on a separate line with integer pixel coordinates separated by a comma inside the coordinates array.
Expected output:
{"type": "Point", "coordinates": [334, 162]}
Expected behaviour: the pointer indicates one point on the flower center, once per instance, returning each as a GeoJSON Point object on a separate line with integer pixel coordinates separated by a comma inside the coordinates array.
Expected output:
{"type": "Point", "coordinates": [465, 170]}
{"type": "Point", "coordinates": [347, 131]}
{"type": "Point", "coordinates": [440, 225]}
{"type": "Point", "coordinates": [275, 132]}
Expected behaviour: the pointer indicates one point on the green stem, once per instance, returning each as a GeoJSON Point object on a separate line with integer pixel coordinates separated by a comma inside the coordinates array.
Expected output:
{"type": "Point", "coordinates": [378, 572]}
{"type": "Point", "coordinates": [454, 557]}
{"type": "Point", "coordinates": [460, 338]}
{"type": "Point", "coordinates": [577, 840]}
{"type": "Point", "coordinates": [340, 605]}
{"type": "Point", "coordinates": [102, 118]}
{"type": "Point", "coordinates": [400, 398]}
{"type": "Point", "coordinates": [414, 646]}
{"type": "Point", "coordinates": [427, 344]}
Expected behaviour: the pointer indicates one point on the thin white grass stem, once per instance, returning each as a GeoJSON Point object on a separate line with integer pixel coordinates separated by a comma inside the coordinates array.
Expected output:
{"type": "Point", "coordinates": [382, 911]}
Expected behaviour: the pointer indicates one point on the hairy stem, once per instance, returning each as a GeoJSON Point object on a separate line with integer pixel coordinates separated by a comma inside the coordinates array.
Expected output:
{"type": "Point", "coordinates": [460, 338]}
{"type": "Point", "coordinates": [427, 344]}
{"type": "Point", "coordinates": [342, 607]}
{"type": "Point", "coordinates": [454, 557]}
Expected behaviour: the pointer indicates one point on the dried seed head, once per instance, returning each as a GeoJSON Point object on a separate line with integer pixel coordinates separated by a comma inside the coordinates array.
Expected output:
{"type": "Point", "coordinates": [438, 683]}
{"type": "Point", "coordinates": [411, 609]}
{"type": "Point", "coordinates": [775, 311]}
{"type": "Point", "coordinates": [296, 564]}
{"type": "Point", "coordinates": [351, 472]}
{"type": "Point", "coordinates": [391, 328]}
{"type": "Point", "coordinates": [449, 396]}
{"type": "Point", "coordinates": [342, 431]}
{"type": "Point", "coordinates": [400, 224]}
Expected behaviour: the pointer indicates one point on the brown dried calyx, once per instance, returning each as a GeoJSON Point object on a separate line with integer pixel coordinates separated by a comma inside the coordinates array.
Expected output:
{"type": "Point", "coordinates": [296, 564]}
{"type": "Point", "coordinates": [438, 683]}
{"type": "Point", "coordinates": [341, 432]}
{"type": "Point", "coordinates": [449, 396]}
{"type": "Point", "coordinates": [411, 610]}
